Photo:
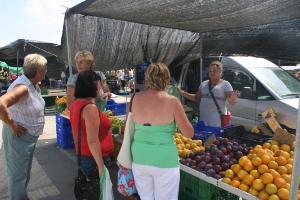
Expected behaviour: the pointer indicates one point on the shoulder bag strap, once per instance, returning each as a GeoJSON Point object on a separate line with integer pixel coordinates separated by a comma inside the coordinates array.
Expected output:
{"type": "Point", "coordinates": [79, 137]}
{"type": "Point", "coordinates": [213, 97]}
{"type": "Point", "coordinates": [131, 102]}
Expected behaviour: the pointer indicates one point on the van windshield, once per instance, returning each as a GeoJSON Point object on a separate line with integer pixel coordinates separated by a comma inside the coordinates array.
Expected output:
{"type": "Point", "coordinates": [280, 81]}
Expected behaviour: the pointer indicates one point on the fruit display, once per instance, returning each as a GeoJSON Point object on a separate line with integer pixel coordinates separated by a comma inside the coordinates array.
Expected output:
{"type": "Point", "coordinates": [215, 159]}
{"type": "Point", "coordinates": [186, 146]}
{"type": "Point", "coordinates": [117, 125]}
{"type": "Point", "coordinates": [62, 100]}
{"type": "Point", "coordinates": [265, 172]}
{"type": "Point", "coordinates": [66, 112]}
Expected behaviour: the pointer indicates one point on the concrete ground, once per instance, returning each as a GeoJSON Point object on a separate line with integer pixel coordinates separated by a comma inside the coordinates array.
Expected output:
{"type": "Point", "coordinates": [53, 169]}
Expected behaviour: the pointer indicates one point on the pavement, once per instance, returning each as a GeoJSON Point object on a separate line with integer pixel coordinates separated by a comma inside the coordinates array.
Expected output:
{"type": "Point", "coordinates": [53, 168]}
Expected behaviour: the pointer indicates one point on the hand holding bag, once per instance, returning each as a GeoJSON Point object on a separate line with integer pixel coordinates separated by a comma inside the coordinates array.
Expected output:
{"type": "Point", "coordinates": [84, 189]}
{"type": "Point", "coordinates": [225, 118]}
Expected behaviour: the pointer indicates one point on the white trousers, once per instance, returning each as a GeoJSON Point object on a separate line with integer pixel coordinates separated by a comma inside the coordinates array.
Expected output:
{"type": "Point", "coordinates": [156, 183]}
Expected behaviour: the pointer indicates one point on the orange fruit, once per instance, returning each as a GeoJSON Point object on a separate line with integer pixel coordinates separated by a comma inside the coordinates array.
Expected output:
{"type": "Point", "coordinates": [235, 183]}
{"type": "Point", "coordinates": [281, 160]}
{"type": "Point", "coordinates": [283, 193]}
{"type": "Point", "coordinates": [291, 154]}
{"type": "Point", "coordinates": [282, 170]}
{"type": "Point", "coordinates": [289, 168]}
{"type": "Point", "coordinates": [248, 179]}
{"type": "Point", "coordinates": [258, 184]}
{"type": "Point", "coordinates": [280, 182]}
{"type": "Point", "coordinates": [273, 197]}
{"type": "Point", "coordinates": [257, 147]}
{"type": "Point", "coordinates": [241, 174]}
{"type": "Point", "coordinates": [267, 178]}
{"type": "Point", "coordinates": [260, 152]}
{"type": "Point", "coordinates": [265, 159]}
{"type": "Point", "coordinates": [271, 188]}
{"type": "Point", "coordinates": [256, 161]}
{"type": "Point", "coordinates": [286, 177]}
{"type": "Point", "coordinates": [266, 145]}
{"type": "Point", "coordinates": [244, 187]}
{"type": "Point", "coordinates": [290, 161]}
{"type": "Point", "coordinates": [255, 173]}
{"type": "Point", "coordinates": [226, 180]}
{"type": "Point", "coordinates": [243, 160]}
{"type": "Point", "coordinates": [263, 195]}
{"type": "Point", "coordinates": [235, 168]}
{"type": "Point", "coordinates": [274, 142]}
{"type": "Point", "coordinates": [274, 173]}
{"type": "Point", "coordinates": [288, 187]}
{"type": "Point", "coordinates": [285, 154]}
{"type": "Point", "coordinates": [235, 178]}
{"type": "Point", "coordinates": [285, 147]}
{"type": "Point", "coordinates": [273, 164]}
{"type": "Point", "coordinates": [274, 147]}
{"type": "Point", "coordinates": [262, 169]}
{"type": "Point", "coordinates": [229, 173]}
{"type": "Point", "coordinates": [248, 166]}
{"type": "Point", "coordinates": [253, 191]}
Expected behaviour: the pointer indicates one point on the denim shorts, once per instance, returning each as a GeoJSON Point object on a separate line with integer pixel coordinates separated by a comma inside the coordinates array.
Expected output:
{"type": "Point", "coordinates": [88, 165]}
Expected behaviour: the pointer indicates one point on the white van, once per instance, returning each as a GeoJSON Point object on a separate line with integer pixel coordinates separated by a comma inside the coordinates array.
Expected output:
{"type": "Point", "coordinates": [262, 85]}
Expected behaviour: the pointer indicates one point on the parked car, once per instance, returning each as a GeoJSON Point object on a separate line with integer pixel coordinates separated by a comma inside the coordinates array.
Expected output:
{"type": "Point", "coordinates": [261, 84]}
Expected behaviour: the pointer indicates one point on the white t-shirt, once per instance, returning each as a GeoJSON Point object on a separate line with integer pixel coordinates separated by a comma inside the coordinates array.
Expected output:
{"type": "Point", "coordinates": [123, 76]}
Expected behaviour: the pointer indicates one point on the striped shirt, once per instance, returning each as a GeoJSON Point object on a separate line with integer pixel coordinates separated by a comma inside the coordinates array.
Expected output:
{"type": "Point", "coordinates": [28, 113]}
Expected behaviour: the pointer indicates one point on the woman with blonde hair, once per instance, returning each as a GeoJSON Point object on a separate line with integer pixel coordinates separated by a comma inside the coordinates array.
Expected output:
{"type": "Point", "coordinates": [22, 111]}
{"type": "Point", "coordinates": [155, 158]}
{"type": "Point", "coordinates": [84, 62]}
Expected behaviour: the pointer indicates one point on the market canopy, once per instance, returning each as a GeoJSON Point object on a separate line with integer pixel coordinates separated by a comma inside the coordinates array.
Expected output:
{"type": "Point", "coordinates": [128, 33]}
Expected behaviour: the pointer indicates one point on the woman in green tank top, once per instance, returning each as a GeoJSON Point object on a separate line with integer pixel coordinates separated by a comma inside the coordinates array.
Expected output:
{"type": "Point", "coordinates": [155, 158]}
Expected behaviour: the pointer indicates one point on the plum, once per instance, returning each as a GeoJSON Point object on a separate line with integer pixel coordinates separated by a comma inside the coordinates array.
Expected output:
{"type": "Point", "coordinates": [193, 162]}
{"type": "Point", "coordinates": [229, 148]}
{"type": "Point", "coordinates": [208, 166]}
{"type": "Point", "coordinates": [216, 142]}
{"type": "Point", "coordinates": [198, 159]}
{"type": "Point", "coordinates": [202, 164]}
{"type": "Point", "coordinates": [182, 160]}
{"type": "Point", "coordinates": [224, 141]}
{"type": "Point", "coordinates": [225, 159]}
{"type": "Point", "coordinates": [222, 173]}
{"type": "Point", "coordinates": [245, 151]}
{"type": "Point", "coordinates": [217, 168]}
{"type": "Point", "coordinates": [240, 148]}
{"type": "Point", "coordinates": [223, 149]}
{"type": "Point", "coordinates": [217, 176]}
{"type": "Point", "coordinates": [224, 166]}
{"type": "Point", "coordinates": [238, 154]}
{"type": "Point", "coordinates": [192, 156]}
{"type": "Point", "coordinates": [207, 159]}
{"type": "Point", "coordinates": [235, 144]}
{"type": "Point", "coordinates": [216, 160]}
{"type": "Point", "coordinates": [220, 154]}
{"type": "Point", "coordinates": [210, 172]}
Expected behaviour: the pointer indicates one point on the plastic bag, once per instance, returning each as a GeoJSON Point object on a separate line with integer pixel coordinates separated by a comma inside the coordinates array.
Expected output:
{"type": "Point", "coordinates": [102, 105]}
{"type": "Point", "coordinates": [173, 91]}
{"type": "Point", "coordinates": [106, 192]}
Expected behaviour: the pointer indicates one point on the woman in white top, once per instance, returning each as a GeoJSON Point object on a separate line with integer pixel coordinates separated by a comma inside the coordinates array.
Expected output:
{"type": "Point", "coordinates": [22, 111]}
{"type": "Point", "coordinates": [222, 91]}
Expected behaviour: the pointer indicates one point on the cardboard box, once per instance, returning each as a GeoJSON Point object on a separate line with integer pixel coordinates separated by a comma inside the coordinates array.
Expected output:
{"type": "Point", "coordinates": [269, 115]}
{"type": "Point", "coordinates": [284, 137]}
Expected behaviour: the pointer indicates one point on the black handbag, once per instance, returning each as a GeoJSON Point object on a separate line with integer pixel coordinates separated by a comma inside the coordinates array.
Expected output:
{"type": "Point", "coordinates": [83, 189]}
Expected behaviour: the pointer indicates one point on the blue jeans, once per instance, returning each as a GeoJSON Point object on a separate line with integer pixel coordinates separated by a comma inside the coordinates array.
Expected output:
{"type": "Point", "coordinates": [88, 165]}
{"type": "Point", "coordinates": [18, 156]}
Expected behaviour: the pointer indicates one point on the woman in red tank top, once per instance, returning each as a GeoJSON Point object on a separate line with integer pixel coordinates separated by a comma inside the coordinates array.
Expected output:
{"type": "Point", "coordinates": [96, 138]}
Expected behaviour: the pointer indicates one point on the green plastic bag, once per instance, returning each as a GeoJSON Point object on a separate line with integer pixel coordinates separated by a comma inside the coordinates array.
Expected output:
{"type": "Point", "coordinates": [102, 105]}
{"type": "Point", "coordinates": [173, 91]}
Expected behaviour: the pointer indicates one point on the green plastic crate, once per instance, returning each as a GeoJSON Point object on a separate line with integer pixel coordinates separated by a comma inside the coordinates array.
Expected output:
{"type": "Point", "coordinates": [189, 116]}
{"type": "Point", "coordinates": [60, 107]}
{"type": "Point", "coordinates": [193, 188]}
{"type": "Point", "coordinates": [49, 101]}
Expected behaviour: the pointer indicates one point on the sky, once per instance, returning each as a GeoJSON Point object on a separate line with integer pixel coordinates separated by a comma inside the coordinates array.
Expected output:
{"type": "Point", "coordinates": [40, 20]}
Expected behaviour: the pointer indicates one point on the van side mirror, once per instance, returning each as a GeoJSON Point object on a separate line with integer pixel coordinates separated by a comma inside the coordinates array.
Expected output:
{"type": "Point", "coordinates": [246, 93]}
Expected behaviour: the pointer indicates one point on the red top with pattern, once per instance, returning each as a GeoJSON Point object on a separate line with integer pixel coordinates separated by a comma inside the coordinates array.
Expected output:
{"type": "Point", "coordinates": [105, 136]}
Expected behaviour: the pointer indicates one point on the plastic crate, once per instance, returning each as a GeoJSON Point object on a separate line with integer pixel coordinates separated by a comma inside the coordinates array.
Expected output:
{"type": "Point", "coordinates": [217, 131]}
{"type": "Point", "coordinates": [201, 135]}
{"type": "Point", "coordinates": [117, 109]}
{"type": "Point", "coordinates": [60, 107]}
{"type": "Point", "coordinates": [64, 131]}
{"type": "Point", "coordinates": [240, 135]}
{"type": "Point", "coordinates": [62, 121]}
{"type": "Point", "coordinates": [67, 143]}
{"type": "Point", "coordinates": [111, 102]}
{"type": "Point", "coordinates": [189, 116]}
{"type": "Point", "coordinates": [194, 188]}
{"type": "Point", "coordinates": [44, 91]}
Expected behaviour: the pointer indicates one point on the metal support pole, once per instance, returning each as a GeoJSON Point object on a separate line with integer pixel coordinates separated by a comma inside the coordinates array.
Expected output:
{"type": "Point", "coordinates": [296, 162]}
{"type": "Point", "coordinates": [69, 49]}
